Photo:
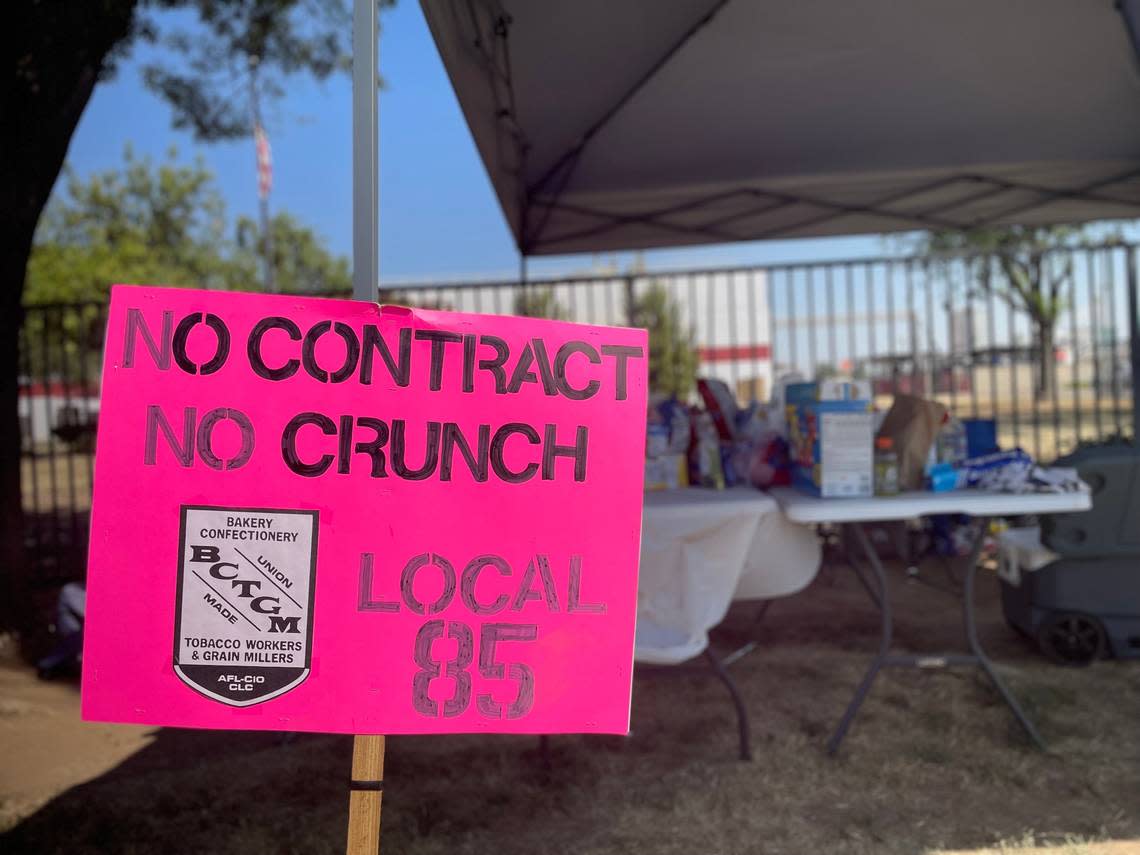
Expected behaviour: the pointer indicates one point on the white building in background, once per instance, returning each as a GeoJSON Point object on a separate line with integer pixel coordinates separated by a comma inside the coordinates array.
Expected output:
{"type": "Point", "coordinates": [56, 412]}
{"type": "Point", "coordinates": [726, 312]}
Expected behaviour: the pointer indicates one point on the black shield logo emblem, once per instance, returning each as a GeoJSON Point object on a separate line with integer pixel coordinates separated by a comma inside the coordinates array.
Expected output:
{"type": "Point", "coordinates": [243, 626]}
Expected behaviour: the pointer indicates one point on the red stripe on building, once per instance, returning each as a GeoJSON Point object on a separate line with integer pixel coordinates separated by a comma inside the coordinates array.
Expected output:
{"type": "Point", "coordinates": [731, 352]}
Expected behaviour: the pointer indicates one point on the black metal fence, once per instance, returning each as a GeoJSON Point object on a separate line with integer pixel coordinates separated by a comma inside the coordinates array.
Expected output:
{"type": "Point", "coordinates": [1053, 365]}
{"type": "Point", "coordinates": [61, 351]}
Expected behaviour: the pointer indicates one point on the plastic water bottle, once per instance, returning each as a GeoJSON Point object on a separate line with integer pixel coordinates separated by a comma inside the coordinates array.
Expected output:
{"type": "Point", "coordinates": [953, 444]}
{"type": "Point", "coordinates": [886, 467]}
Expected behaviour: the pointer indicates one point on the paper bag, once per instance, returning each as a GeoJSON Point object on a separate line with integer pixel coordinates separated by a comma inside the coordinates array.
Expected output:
{"type": "Point", "coordinates": [912, 424]}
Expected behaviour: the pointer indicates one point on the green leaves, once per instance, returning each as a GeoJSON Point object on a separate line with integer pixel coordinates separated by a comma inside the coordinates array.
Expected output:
{"type": "Point", "coordinates": [1030, 277]}
{"type": "Point", "coordinates": [535, 302]}
{"type": "Point", "coordinates": [672, 354]}
{"type": "Point", "coordinates": [301, 263]}
{"type": "Point", "coordinates": [164, 224]}
{"type": "Point", "coordinates": [1030, 281]}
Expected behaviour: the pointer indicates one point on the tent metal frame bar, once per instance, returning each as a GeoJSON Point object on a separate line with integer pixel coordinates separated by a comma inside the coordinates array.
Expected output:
{"type": "Point", "coordinates": [927, 217]}
{"type": "Point", "coordinates": [564, 166]}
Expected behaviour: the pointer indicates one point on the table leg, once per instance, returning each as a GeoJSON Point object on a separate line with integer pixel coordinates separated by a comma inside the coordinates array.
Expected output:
{"type": "Point", "coordinates": [876, 598]}
{"type": "Point", "coordinates": [763, 610]}
{"type": "Point", "coordinates": [884, 603]}
{"type": "Point", "coordinates": [976, 646]}
{"type": "Point", "coordinates": [737, 700]}
{"type": "Point", "coordinates": [977, 655]}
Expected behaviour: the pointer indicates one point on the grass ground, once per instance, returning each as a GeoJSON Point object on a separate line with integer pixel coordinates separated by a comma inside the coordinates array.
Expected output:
{"type": "Point", "coordinates": [933, 764]}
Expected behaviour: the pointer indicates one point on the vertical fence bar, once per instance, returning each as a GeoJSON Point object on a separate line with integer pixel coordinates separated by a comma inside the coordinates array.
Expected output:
{"type": "Point", "coordinates": [754, 338]}
{"type": "Point", "coordinates": [991, 333]}
{"type": "Point", "coordinates": [931, 360]}
{"type": "Point", "coordinates": [1134, 339]}
{"type": "Point", "coordinates": [86, 324]}
{"type": "Point", "coordinates": [775, 347]}
{"type": "Point", "coordinates": [971, 339]}
{"type": "Point", "coordinates": [66, 377]}
{"type": "Point", "coordinates": [1074, 350]}
{"type": "Point", "coordinates": [694, 320]}
{"type": "Point", "coordinates": [793, 347]}
{"type": "Point", "coordinates": [972, 357]}
{"type": "Point", "coordinates": [872, 333]}
{"type": "Point", "coordinates": [1110, 267]}
{"type": "Point", "coordinates": [52, 519]}
{"type": "Point", "coordinates": [630, 301]}
{"type": "Point", "coordinates": [912, 327]}
{"type": "Point", "coordinates": [28, 449]}
{"type": "Point", "coordinates": [1014, 366]}
{"type": "Point", "coordinates": [1095, 327]}
{"type": "Point", "coordinates": [775, 351]}
{"type": "Point", "coordinates": [952, 336]}
{"type": "Point", "coordinates": [1054, 373]}
{"type": "Point", "coordinates": [852, 342]}
{"type": "Point", "coordinates": [733, 338]}
{"type": "Point", "coordinates": [1036, 397]}
{"type": "Point", "coordinates": [710, 342]}
{"type": "Point", "coordinates": [573, 301]}
{"type": "Point", "coordinates": [892, 363]}
{"type": "Point", "coordinates": [809, 323]}
{"type": "Point", "coordinates": [832, 347]}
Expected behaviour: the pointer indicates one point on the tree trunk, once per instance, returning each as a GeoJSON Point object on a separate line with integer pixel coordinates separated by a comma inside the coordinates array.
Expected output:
{"type": "Point", "coordinates": [1046, 362]}
{"type": "Point", "coordinates": [55, 53]}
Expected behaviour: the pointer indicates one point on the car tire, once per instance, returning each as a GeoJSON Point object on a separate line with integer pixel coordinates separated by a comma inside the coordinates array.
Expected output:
{"type": "Point", "coordinates": [1073, 639]}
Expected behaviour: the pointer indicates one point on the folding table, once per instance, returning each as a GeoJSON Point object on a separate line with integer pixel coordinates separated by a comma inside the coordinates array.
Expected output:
{"type": "Point", "coordinates": [850, 514]}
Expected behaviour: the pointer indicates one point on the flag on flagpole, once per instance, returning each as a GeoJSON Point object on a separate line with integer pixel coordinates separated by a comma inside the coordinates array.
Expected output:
{"type": "Point", "coordinates": [264, 163]}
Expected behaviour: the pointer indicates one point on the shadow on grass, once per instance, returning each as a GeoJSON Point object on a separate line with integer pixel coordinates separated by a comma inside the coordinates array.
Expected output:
{"type": "Point", "coordinates": [242, 792]}
{"type": "Point", "coordinates": [933, 762]}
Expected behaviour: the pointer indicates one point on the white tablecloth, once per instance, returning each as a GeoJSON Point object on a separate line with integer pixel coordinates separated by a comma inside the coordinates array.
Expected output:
{"type": "Point", "coordinates": [700, 550]}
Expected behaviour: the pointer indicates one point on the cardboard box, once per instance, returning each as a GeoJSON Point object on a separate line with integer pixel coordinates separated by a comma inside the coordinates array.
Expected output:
{"type": "Point", "coordinates": [831, 442]}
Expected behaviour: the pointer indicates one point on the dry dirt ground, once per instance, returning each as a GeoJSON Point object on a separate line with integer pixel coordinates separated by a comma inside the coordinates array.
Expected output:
{"type": "Point", "coordinates": [934, 763]}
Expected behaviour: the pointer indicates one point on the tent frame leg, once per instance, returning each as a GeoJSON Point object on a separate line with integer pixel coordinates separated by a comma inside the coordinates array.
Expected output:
{"type": "Point", "coordinates": [719, 669]}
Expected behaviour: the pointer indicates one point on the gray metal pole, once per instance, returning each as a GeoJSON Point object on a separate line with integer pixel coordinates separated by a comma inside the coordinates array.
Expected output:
{"type": "Point", "coordinates": [263, 198]}
{"type": "Point", "coordinates": [365, 148]}
{"type": "Point", "coordinates": [1134, 340]}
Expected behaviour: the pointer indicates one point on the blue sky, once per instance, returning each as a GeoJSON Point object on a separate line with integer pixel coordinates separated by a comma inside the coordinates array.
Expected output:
{"type": "Point", "coordinates": [439, 218]}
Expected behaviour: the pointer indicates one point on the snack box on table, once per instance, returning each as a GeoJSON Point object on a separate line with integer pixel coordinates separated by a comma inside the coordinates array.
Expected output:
{"type": "Point", "coordinates": [831, 437]}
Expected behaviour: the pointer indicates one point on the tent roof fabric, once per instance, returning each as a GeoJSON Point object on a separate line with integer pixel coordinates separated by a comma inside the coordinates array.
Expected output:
{"type": "Point", "coordinates": [621, 124]}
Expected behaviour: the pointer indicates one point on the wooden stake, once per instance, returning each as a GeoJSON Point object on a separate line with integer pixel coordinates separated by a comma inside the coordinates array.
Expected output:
{"type": "Point", "coordinates": [367, 791]}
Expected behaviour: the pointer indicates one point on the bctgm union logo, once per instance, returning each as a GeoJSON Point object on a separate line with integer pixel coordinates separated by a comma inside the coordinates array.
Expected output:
{"type": "Point", "coordinates": [243, 628]}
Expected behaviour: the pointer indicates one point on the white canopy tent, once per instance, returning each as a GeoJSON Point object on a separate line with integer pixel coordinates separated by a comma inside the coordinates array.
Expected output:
{"type": "Point", "coordinates": [625, 124]}
{"type": "Point", "coordinates": [621, 124]}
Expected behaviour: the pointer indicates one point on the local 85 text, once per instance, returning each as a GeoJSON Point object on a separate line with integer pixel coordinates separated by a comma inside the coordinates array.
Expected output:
{"type": "Point", "coordinates": [476, 651]}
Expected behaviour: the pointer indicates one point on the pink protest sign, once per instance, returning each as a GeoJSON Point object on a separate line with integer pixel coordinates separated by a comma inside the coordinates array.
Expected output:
{"type": "Point", "coordinates": [324, 515]}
